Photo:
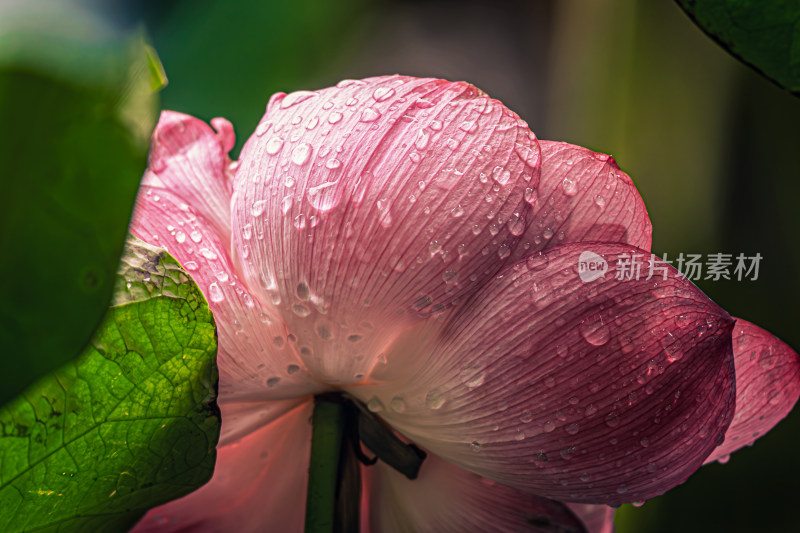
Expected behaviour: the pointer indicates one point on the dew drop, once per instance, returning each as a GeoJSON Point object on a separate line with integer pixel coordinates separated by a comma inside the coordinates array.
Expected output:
{"type": "Point", "coordinates": [369, 115]}
{"type": "Point", "coordinates": [286, 203]}
{"type": "Point", "coordinates": [398, 405]}
{"type": "Point", "coordinates": [473, 376]}
{"type": "Point", "coordinates": [516, 226]}
{"type": "Point", "coordinates": [323, 197]}
{"type": "Point", "coordinates": [382, 93]}
{"type": "Point", "coordinates": [274, 145]}
{"type": "Point", "coordinates": [594, 330]}
{"type": "Point", "coordinates": [422, 140]}
{"type": "Point", "coordinates": [257, 209]}
{"type": "Point", "coordinates": [295, 98]}
{"type": "Point", "coordinates": [334, 117]}
{"type": "Point", "coordinates": [301, 310]}
{"type": "Point", "coordinates": [434, 399]}
{"type": "Point", "coordinates": [469, 126]}
{"type": "Point", "coordinates": [180, 236]}
{"type": "Point", "coordinates": [301, 154]}
{"type": "Point", "coordinates": [569, 186]}
{"type": "Point", "coordinates": [292, 369]}
{"type": "Point", "coordinates": [215, 293]}
{"type": "Point", "coordinates": [501, 175]}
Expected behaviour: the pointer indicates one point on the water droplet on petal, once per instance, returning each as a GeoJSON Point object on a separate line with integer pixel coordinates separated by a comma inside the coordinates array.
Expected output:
{"type": "Point", "coordinates": [473, 376]}
{"type": "Point", "coordinates": [382, 93]}
{"type": "Point", "coordinates": [569, 186]}
{"type": "Point", "coordinates": [501, 175]}
{"type": "Point", "coordinates": [215, 293]}
{"type": "Point", "coordinates": [516, 225]}
{"type": "Point", "coordinates": [398, 405]}
{"type": "Point", "coordinates": [334, 117]}
{"type": "Point", "coordinates": [434, 399]}
{"type": "Point", "coordinates": [301, 154]}
{"type": "Point", "coordinates": [286, 203]}
{"type": "Point", "coordinates": [274, 145]}
{"type": "Point", "coordinates": [594, 330]}
{"type": "Point", "coordinates": [323, 197]}
{"type": "Point", "coordinates": [257, 209]}
{"type": "Point", "coordinates": [295, 98]}
{"type": "Point", "coordinates": [369, 115]}
{"type": "Point", "coordinates": [196, 236]}
{"type": "Point", "coordinates": [469, 126]}
{"type": "Point", "coordinates": [375, 405]}
{"type": "Point", "coordinates": [422, 140]}
{"type": "Point", "coordinates": [180, 236]}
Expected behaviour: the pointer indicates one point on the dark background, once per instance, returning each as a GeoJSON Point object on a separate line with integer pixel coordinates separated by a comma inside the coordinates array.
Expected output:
{"type": "Point", "coordinates": [712, 146]}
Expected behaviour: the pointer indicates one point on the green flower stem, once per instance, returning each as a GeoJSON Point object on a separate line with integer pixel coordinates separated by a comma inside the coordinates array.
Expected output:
{"type": "Point", "coordinates": [328, 424]}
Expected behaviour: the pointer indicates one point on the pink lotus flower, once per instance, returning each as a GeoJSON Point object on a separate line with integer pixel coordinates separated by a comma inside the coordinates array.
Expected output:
{"type": "Point", "coordinates": [409, 242]}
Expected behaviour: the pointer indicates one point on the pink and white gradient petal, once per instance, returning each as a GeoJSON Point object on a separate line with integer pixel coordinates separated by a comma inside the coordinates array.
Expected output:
{"type": "Point", "coordinates": [190, 160]}
{"type": "Point", "coordinates": [361, 209]}
{"type": "Point", "coordinates": [583, 196]}
{"type": "Point", "coordinates": [256, 358]}
{"type": "Point", "coordinates": [259, 484]}
{"type": "Point", "coordinates": [448, 499]}
{"type": "Point", "coordinates": [602, 392]}
{"type": "Point", "coordinates": [767, 386]}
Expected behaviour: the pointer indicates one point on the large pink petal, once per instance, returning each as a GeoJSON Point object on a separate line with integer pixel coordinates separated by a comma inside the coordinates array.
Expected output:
{"type": "Point", "coordinates": [259, 484]}
{"type": "Point", "coordinates": [189, 159]}
{"type": "Point", "coordinates": [602, 392]}
{"type": "Point", "coordinates": [257, 359]}
{"type": "Point", "coordinates": [446, 498]}
{"type": "Point", "coordinates": [360, 207]}
{"type": "Point", "coordinates": [584, 196]}
{"type": "Point", "coordinates": [595, 518]}
{"type": "Point", "coordinates": [767, 386]}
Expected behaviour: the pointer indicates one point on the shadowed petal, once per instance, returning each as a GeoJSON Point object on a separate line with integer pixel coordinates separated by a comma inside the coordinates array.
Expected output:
{"type": "Point", "coordinates": [600, 392]}
{"type": "Point", "coordinates": [448, 499]}
{"type": "Point", "coordinates": [595, 518]}
{"type": "Point", "coordinates": [359, 207]}
{"type": "Point", "coordinates": [256, 358]}
{"type": "Point", "coordinates": [584, 196]}
{"type": "Point", "coordinates": [190, 160]}
{"type": "Point", "coordinates": [259, 484]}
{"type": "Point", "coordinates": [767, 386]}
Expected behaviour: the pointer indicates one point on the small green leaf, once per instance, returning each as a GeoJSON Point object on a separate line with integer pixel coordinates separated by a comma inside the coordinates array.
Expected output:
{"type": "Point", "coordinates": [131, 424]}
{"type": "Point", "coordinates": [73, 153]}
{"type": "Point", "coordinates": [765, 34]}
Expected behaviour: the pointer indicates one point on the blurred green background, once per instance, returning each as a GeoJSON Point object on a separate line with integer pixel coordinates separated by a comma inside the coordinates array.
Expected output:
{"type": "Point", "coordinates": [710, 144]}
